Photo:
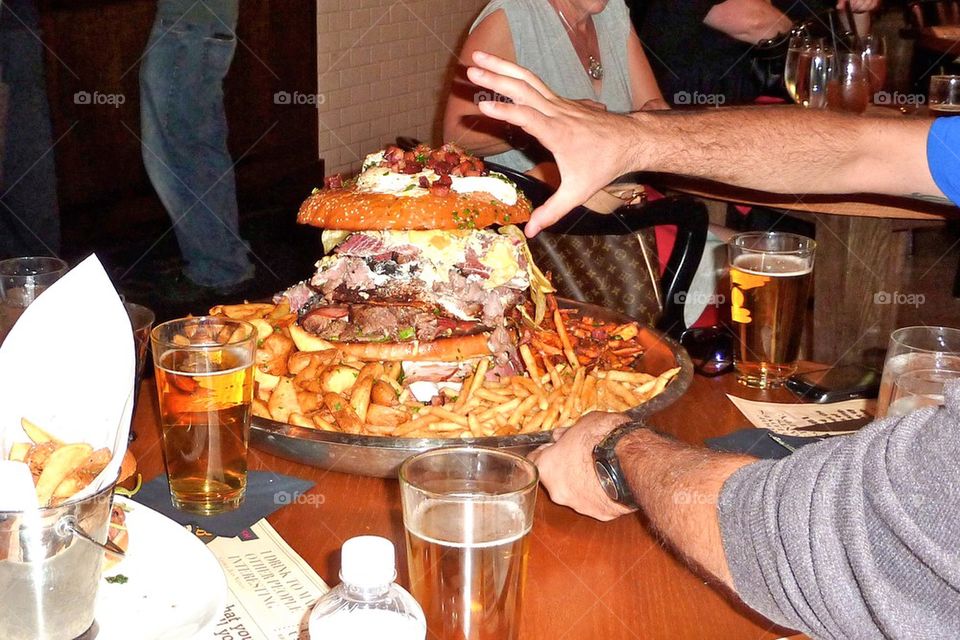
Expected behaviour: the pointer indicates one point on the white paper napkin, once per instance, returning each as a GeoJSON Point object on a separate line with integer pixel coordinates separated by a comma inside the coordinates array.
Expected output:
{"type": "Point", "coordinates": [68, 366]}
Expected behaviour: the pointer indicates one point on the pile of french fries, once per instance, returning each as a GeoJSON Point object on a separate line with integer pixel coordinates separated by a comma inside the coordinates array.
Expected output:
{"type": "Point", "coordinates": [60, 470]}
{"type": "Point", "coordinates": [326, 390]}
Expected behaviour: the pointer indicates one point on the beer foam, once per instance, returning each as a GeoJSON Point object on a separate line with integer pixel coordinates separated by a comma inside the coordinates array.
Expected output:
{"type": "Point", "coordinates": [778, 266]}
{"type": "Point", "coordinates": [472, 530]}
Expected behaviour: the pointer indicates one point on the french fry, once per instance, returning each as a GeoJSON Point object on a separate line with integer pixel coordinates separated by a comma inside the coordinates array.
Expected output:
{"type": "Point", "coordinates": [61, 462]}
{"type": "Point", "coordinates": [343, 414]}
{"type": "Point", "coordinates": [478, 379]}
{"type": "Point", "coordinates": [522, 409]}
{"type": "Point", "coordinates": [626, 376]}
{"type": "Point", "coordinates": [475, 429]}
{"type": "Point", "coordinates": [447, 415]}
{"type": "Point", "coordinates": [529, 361]}
{"type": "Point", "coordinates": [284, 400]}
{"type": "Point", "coordinates": [445, 426]}
{"type": "Point", "coordinates": [414, 425]}
{"type": "Point", "coordinates": [621, 391]}
{"type": "Point", "coordinates": [360, 396]}
{"type": "Point", "coordinates": [568, 351]}
{"type": "Point", "coordinates": [37, 434]}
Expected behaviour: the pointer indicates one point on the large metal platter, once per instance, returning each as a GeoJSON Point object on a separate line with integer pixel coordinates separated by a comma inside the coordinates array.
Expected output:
{"type": "Point", "coordinates": [381, 456]}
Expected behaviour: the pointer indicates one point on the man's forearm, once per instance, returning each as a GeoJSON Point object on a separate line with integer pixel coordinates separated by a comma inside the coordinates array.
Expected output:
{"type": "Point", "coordinates": [678, 487]}
{"type": "Point", "coordinates": [797, 151]}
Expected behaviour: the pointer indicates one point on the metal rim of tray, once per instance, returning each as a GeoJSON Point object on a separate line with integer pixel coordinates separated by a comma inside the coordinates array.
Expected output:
{"type": "Point", "coordinates": [266, 433]}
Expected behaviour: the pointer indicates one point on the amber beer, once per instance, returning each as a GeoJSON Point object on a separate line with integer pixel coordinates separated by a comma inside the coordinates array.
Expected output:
{"type": "Point", "coordinates": [469, 590]}
{"type": "Point", "coordinates": [468, 512]}
{"type": "Point", "coordinates": [770, 287]}
{"type": "Point", "coordinates": [205, 393]}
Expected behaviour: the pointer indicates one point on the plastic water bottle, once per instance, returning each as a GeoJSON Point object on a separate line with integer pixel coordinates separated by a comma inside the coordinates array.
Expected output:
{"type": "Point", "coordinates": [367, 605]}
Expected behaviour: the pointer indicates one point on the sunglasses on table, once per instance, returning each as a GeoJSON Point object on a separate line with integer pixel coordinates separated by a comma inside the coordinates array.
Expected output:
{"type": "Point", "coordinates": [711, 349]}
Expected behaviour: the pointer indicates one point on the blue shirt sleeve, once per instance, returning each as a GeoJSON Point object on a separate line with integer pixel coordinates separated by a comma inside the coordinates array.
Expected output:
{"type": "Point", "coordinates": [943, 156]}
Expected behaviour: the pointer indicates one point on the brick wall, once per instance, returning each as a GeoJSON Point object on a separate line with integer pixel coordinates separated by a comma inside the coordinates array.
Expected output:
{"type": "Point", "coordinates": [384, 68]}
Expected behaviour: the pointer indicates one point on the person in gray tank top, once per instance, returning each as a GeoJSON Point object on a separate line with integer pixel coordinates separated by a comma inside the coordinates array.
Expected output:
{"type": "Point", "coordinates": [584, 49]}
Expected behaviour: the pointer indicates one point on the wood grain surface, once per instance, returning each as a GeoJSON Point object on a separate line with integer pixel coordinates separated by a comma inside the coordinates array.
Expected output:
{"type": "Point", "coordinates": [586, 579]}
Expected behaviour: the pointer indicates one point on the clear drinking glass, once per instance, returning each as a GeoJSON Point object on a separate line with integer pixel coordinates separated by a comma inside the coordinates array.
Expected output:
{"type": "Point", "coordinates": [822, 70]}
{"type": "Point", "coordinates": [919, 388]}
{"type": "Point", "coordinates": [915, 348]}
{"type": "Point", "coordinates": [467, 512]}
{"type": "Point", "coordinates": [875, 58]}
{"type": "Point", "coordinates": [849, 87]}
{"type": "Point", "coordinates": [204, 370]}
{"type": "Point", "coordinates": [943, 99]}
{"type": "Point", "coordinates": [796, 70]}
{"type": "Point", "coordinates": [21, 281]}
{"type": "Point", "coordinates": [770, 278]}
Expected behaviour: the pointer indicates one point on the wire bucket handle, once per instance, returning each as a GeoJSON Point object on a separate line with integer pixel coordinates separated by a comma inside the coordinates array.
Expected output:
{"type": "Point", "coordinates": [67, 525]}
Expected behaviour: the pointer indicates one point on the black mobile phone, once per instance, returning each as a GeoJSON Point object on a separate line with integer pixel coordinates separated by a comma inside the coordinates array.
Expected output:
{"type": "Point", "coordinates": [842, 382]}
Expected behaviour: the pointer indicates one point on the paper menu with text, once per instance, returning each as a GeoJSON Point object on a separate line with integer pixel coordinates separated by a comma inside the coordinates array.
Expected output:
{"type": "Point", "coordinates": [786, 417]}
{"type": "Point", "coordinates": [271, 589]}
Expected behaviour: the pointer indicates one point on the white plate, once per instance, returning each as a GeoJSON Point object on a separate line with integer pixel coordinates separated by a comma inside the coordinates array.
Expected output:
{"type": "Point", "coordinates": [175, 587]}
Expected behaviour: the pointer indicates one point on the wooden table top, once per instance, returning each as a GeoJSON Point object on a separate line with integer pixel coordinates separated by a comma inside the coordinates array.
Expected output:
{"type": "Point", "coordinates": [860, 205]}
{"type": "Point", "coordinates": [586, 579]}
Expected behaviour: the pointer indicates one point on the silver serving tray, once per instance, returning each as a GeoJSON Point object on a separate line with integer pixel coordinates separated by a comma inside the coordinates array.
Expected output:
{"type": "Point", "coordinates": [381, 456]}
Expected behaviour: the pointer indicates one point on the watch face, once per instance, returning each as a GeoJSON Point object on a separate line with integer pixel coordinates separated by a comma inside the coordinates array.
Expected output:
{"type": "Point", "coordinates": [606, 480]}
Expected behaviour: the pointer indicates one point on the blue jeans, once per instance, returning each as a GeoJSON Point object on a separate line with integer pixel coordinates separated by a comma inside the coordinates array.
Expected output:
{"type": "Point", "coordinates": [184, 131]}
{"type": "Point", "coordinates": [29, 213]}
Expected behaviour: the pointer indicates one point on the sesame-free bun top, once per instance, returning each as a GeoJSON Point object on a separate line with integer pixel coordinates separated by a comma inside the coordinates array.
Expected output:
{"type": "Point", "coordinates": [417, 190]}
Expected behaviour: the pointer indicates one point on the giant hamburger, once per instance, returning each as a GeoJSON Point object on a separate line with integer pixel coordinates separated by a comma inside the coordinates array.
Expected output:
{"type": "Point", "coordinates": [413, 269]}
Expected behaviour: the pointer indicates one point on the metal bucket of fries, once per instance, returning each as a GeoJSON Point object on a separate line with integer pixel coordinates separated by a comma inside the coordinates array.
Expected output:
{"type": "Point", "coordinates": [50, 561]}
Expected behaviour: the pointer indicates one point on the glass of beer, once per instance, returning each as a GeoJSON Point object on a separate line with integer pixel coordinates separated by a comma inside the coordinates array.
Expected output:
{"type": "Point", "coordinates": [468, 512]}
{"type": "Point", "coordinates": [21, 281]}
{"type": "Point", "coordinates": [943, 99]}
{"type": "Point", "coordinates": [770, 276]}
{"type": "Point", "coordinates": [913, 349]}
{"type": "Point", "coordinates": [204, 372]}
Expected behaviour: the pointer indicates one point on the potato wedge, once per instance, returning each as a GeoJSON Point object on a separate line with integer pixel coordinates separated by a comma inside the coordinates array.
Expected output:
{"type": "Point", "coordinates": [18, 451]}
{"type": "Point", "coordinates": [384, 393]}
{"type": "Point", "coordinates": [338, 378]}
{"type": "Point", "coordinates": [388, 416]}
{"type": "Point", "coordinates": [37, 434]}
{"type": "Point", "coordinates": [246, 311]}
{"type": "Point", "coordinates": [264, 328]}
{"type": "Point", "coordinates": [284, 401]}
{"type": "Point", "coordinates": [264, 380]}
{"type": "Point", "coordinates": [260, 409]}
{"type": "Point", "coordinates": [272, 353]}
{"type": "Point", "coordinates": [300, 420]}
{"type": "Point", "coordinates": [343, 414]}
{"type": "Point", "coordinates": [307, 341]}
{"type": "Point", "coordinates": [360, 396]}
{"type": "Point", "coordinates": [60, 464]}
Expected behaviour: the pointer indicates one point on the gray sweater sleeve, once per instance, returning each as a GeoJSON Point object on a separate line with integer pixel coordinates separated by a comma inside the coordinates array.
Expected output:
{"type": "Point", "coordinates": [854, 537]}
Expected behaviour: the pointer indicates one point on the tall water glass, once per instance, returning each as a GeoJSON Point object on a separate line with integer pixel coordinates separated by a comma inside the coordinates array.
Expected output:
{"type": "Point", "coordinates": [915, 348]}
{"type": "Point", "coordinates": [919, 388]}
{"type": "Point", "coordinates": [796, 68]}
{"type": "Point", "coordinates": [875, 59]}
{"type": "Point", "coordinates": [468, 512]}
{"type": "Point", "coordinates": [21, 281]}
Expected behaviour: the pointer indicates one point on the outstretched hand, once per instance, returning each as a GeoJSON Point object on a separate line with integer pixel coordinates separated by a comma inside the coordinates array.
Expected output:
{"type": "Point", "coordinates": [589, 145]}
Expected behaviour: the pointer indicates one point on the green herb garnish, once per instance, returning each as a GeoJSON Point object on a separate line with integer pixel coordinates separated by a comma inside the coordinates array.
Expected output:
{"type": "Point", "coordinates": [406, 333]}
{"type": "Point", "coordinates": [117, 579]}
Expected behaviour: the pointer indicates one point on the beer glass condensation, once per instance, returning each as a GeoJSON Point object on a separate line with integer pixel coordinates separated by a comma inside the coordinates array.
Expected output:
{"type": "Point", "coordinates": [770, 277]}
{"type": "Point", "coordinates": [204, 372]}
{"type": "Point", "coordinates": [468, 512]}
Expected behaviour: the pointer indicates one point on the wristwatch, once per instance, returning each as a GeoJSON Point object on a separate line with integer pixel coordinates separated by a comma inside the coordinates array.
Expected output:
{"type": "Point", "coordinates": [609, 473]}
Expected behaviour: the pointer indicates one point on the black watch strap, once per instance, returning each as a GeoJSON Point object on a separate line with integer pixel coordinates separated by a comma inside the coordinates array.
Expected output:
{"type": "Point", "coordinates": [607, 465]}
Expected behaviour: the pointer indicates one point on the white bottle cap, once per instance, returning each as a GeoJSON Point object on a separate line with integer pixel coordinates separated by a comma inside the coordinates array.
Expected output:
{"type": "Point", "coordinates": [367, 562]}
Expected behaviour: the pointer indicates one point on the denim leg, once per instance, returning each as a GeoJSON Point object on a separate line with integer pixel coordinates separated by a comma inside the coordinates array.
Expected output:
{"type": "Point", "coordinates": [184, 132]}
{"type": "Point", "coordinates": [29, 211]}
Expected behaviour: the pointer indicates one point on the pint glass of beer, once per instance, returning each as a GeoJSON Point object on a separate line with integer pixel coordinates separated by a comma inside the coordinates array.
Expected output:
{"type": "Point", "coordinates": [770, 276]}
{"type": "Point", "coordinates": [468, 512]}
{"type": "Point", "coordinates": [204, 370]}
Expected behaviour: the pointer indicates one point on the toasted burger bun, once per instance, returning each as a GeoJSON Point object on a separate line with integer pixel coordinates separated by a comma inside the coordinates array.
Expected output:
{"type": "Point", "coordinates": [442, 349]}
{"type": "Point", "coordinates": [349, 209]}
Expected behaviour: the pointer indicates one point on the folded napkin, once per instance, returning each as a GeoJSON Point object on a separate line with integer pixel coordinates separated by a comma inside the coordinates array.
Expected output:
{"type": "Point", "coordinates": [266, 492]}
{"type": "Point", "coordinates": [757, 442]}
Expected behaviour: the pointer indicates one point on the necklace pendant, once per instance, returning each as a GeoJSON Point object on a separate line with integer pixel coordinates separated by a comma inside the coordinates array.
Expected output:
{"type": "Point", "coordinates": [595, 69]}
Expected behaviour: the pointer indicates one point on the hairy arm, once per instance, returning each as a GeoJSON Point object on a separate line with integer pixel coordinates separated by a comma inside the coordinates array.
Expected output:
{"type": "Point", "coordinates": [780, 150]}
{"type": "Point", "coordinates": [749, 21]}
{"type": "Point", "coordinates": [463, 123]}
{"type": "Point", "coordinates": [678, 487]}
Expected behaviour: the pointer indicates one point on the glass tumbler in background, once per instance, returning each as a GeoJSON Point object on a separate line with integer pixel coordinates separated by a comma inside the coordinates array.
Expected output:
{"type": "Point", "coordinates": [821, 70]}
{"type": "Point", "coordinates": [916, 348]}
{"type": "Point", "coordinates": [919, 388]}
{"type": "Point", "coordinates": [204, 372]}
{"type": "Point", "coordinates": [875, 60]}
{"type": "Point", "coordinates": [21, 281]}
{"type": "Point", "coordinates": [797, 67]}
{"type": "Point", "coordinates": [943, 99]}
{"type": "Point", "coordinates": [468, 512]}
{"type": "Point", "coordinates": [849, 88]}
{"type": "Point", "coordinates": [770, 278]}
{"type": "Point", "coordinates": [141, 321]}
